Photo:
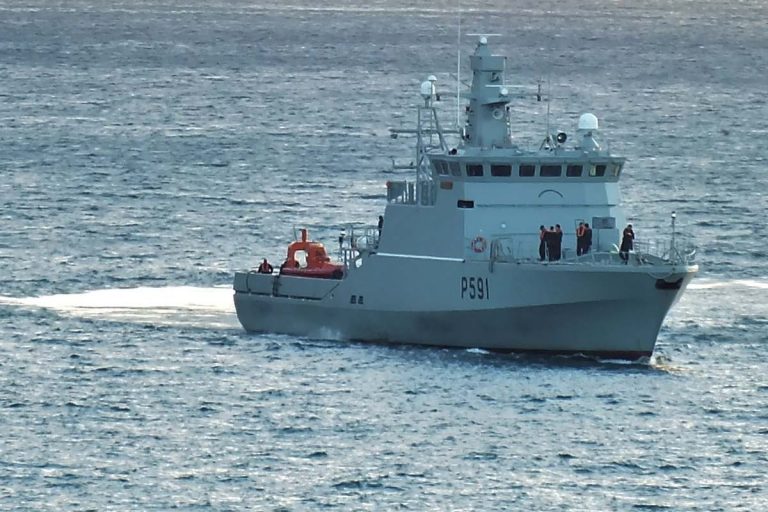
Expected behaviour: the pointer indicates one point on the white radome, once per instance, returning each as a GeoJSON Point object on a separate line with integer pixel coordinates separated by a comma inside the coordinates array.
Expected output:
{"type": "Point", "coordinates": [588, 122]}
{"type": "Point", "coordinates": [426, 89]}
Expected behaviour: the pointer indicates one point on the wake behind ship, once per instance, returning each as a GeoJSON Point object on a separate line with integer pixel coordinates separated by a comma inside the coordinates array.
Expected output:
{"type": "Point", "coordinates": [460, 258]}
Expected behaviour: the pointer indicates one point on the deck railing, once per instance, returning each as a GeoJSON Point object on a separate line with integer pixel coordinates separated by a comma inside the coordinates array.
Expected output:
{"type": "Point", "coordinates": [680, 251]}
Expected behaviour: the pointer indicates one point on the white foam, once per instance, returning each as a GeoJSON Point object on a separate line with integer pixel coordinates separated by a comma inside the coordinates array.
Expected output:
{"type": "Point", "coordinates": [172, 305]}
{"type": "Point", "coordinates": [705, 284]}
{"type": "Point", "coordinates": [720, 303]}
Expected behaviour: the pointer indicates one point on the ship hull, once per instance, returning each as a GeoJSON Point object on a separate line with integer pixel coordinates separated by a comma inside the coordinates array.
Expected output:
{"type": "Point", "coordinates": [609, 311]}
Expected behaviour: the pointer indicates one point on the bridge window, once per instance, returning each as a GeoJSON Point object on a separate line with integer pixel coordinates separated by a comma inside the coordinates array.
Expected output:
{"type": "Point", "coordinates": [616, 169]}
{"type": "Point", "coordinates": [573, 170]}
{"type": "Point", "coordinates": [455, 170]}
{"type": "Point", "coordinates": [501, 170]}
{"type": "Point", "coordinates": [527, 170]}
{"type": "Point", "coordinates": [597, 170]}
{"type": "Point", "coordinates": [465, 203]}
{"type": "Point", "coordinates": [441, 167]}
{"type": "Point", "coordinates": [550, 171]}
{"type": "Point", "coordinates": [474, 170]}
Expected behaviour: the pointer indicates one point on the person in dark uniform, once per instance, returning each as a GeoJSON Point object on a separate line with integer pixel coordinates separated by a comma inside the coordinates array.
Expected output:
{"type": "Point", "coordinates": [580, 239]}
{"type": "Point", "coordinates": [587, 238]}
{"type": "Point", "coordinates": [549, 239]}
{"type": "Point", "coordinates": [265, 267]}
{"type": "Point", "coordinates": [558, 242]}
{"type": "Point", "coordinates": [542, 243]}
{"type": "Point", "coordinates": [627, 243]}
{"type": "Point", "coordinates": [381, 224]}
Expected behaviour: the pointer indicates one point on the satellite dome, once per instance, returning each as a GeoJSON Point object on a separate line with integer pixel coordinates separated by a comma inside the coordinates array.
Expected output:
{"type": "Point", "coordinates": [426, 89]}
{"type": "Point", "coordinates": [588, 122]}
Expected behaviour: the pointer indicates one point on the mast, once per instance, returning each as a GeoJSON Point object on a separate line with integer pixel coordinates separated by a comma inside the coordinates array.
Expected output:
{"type": "Point", "coordinates": [488, 118]}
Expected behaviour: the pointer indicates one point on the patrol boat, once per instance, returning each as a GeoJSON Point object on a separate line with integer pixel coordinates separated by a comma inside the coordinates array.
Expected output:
{"type": "Point", "coordinates": [456, 262]}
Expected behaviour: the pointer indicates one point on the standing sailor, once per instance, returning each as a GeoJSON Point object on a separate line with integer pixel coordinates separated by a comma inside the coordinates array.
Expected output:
{"type": "Point", "coordinates": [542, 243]}
{"type": "Point", "coordinates": [580, 239]}
{"type": "Point", "coordinates": [627, 243]}
{"type": "Point", "coordinates": [587, 238]}
{"type": "Point", "coordinates": [558, 242]}
{"type": "Point", "coordinates": [549, 239]}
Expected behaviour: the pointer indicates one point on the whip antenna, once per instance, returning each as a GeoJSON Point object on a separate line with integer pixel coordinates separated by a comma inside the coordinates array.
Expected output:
{"type": "Point", "coordinates": [549, 96]}
{"type": "Point", "coordinates": [458, 67]}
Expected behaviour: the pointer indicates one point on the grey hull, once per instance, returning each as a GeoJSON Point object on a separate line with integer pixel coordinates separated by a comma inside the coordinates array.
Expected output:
{"type": "Point", "coordinates": [612, 311]}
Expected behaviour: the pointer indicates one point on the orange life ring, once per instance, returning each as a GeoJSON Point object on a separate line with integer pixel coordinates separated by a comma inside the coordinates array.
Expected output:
{"type": "Point", "coordinates": [479, 244]}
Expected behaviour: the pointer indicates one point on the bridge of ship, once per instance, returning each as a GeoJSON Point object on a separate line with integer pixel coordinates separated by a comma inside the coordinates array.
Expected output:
{"type": "Point", "coordinates": [449, 169]}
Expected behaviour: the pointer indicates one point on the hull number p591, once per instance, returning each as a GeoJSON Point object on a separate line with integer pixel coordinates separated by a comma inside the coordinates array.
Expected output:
{"type": "Point", "coordinates": [475, 288]}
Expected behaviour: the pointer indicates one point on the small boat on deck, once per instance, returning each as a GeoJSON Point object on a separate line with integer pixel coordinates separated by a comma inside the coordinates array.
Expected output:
{"type": "Point", "coordinates": [316, 262]}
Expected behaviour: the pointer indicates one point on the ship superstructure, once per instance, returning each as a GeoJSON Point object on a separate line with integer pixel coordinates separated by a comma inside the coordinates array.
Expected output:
{"type": "Point", "coordinates": [460, 259]}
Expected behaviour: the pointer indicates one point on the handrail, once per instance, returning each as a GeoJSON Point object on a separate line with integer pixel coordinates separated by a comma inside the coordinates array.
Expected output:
{"type": "Point", "coordinates": [645, 252]}
{"type": "Point", "coordinates": [354, 245]}
{"type": "Point", "coordinates": [680, 250]}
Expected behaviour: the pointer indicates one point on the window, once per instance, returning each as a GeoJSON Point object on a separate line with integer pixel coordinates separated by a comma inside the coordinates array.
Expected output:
{"type": "Point", "coordinates": [474, 170]}
{"type": "Point", "coordinates": [616, 169]}
{"type": "Point", "coordinates": [550, 171]}
{"type": "Point", "coordinates": [527, 170]}
{"type": "Point", "coordinates": [501, 170]}
{"type": "Point", "coordinates": [573, 170]}
{"type": "Point", "coordinates": [441, 167]}
{"type": "Point", "coordinates": [597, 170]}
{"type": "Point", "coordinates": [454, 166]}
{"type": "Point", "coordinates": [463, 203]}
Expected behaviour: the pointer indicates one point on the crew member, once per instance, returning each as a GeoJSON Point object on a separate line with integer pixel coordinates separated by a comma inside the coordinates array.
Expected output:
{"type": "Point", "coordinates": [542, 243]}
{"type": "Point", "coordinates": [580, 239]}
{"type": "Point", "coordinates": [627, 243]}
{"type": "Point", "coordinates": [550, 239]}
{"type": "Point", "coordinates": [558, 242]}
{"type": "Point", "coordinates": [587, 238]}
{"type": "Point", "coordinates": [265, 267]}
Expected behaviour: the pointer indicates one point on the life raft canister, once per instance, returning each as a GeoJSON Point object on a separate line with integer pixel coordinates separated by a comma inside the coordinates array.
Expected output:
{"type": "Point", "coordinates": [478, 244]}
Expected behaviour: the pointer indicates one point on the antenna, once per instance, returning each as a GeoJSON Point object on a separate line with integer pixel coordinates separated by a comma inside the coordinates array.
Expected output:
{"type": "Point", "coordinates": [548, 143]}
{"type": "Point", "coordinates": [458, 67]}
{"type": "Point", "coordinates": [672, 248]}
{"type": "Point", "coordinates": [549, 102]}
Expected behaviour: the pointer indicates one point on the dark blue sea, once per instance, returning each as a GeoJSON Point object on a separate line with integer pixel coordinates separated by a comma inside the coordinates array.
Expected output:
{"type": "Point", "coordinates": [148, 149]}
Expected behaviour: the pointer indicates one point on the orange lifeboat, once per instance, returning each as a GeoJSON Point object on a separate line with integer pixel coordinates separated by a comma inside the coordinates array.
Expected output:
{"type": "Point", "coordinates": [318, 263]}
